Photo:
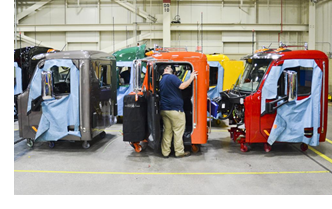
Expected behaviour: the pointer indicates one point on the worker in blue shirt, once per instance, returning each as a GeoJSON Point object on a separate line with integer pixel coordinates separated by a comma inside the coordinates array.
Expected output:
{"type": "Point", "coordinates": [171, 106]}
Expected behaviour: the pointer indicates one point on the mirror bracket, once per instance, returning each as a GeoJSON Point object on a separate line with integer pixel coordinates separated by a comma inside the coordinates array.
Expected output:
{"type": "Point", "coordinates": [47, 85]}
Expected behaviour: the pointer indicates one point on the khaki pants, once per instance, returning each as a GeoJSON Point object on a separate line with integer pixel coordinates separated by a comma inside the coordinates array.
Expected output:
{"type": "Point", "coordinates": [174, 123]}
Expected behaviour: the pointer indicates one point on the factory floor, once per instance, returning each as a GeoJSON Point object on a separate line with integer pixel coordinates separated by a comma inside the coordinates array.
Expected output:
{"type": "Point", "coordinates": [111, 166]}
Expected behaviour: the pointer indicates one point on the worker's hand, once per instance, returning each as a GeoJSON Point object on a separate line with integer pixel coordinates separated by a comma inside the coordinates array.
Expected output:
{"type": "Point", "coordinates": [193, 75]}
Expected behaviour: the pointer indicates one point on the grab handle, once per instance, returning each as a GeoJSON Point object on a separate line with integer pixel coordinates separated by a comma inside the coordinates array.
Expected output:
{"type": "Point", "coordinates": [196, 108]}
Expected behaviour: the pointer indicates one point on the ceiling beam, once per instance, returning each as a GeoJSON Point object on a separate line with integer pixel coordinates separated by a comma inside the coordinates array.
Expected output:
{"type": "Point", "coordinates": [140, 12]}
{"type": "Point", "coordinates": [131, 41]}
{"type": "Point", "coordinates": [158, 27]}
{"type": "Point", "coordinates": [31, 9]}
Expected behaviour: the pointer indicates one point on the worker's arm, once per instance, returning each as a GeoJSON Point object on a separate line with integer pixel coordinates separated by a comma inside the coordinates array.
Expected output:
{"type": "Point", "coordinates": [188, 82]}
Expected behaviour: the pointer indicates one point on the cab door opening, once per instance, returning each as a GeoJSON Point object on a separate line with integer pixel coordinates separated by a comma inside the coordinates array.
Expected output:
{"type": "Point", "coordinates": [182, 71]}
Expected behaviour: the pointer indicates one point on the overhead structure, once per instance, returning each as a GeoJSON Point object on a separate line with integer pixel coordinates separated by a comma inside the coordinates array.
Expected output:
{"type": "Point", "coordinates": [131, 41]}
{"type": "Point", "coordinates": [31, 41]}
{"type": "Point", "coordinates": [139, 12]}
{"type": "Point", "coordinates": [31, 9]}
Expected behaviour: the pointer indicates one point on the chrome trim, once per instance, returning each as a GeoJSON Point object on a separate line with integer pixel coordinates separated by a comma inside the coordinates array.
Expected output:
{"type": "Point", "coordinates": [323, 105]}
{"type": "Point", "coordinates": [262, 55]}
{"type": "Point", "coordinates": [196, 109]}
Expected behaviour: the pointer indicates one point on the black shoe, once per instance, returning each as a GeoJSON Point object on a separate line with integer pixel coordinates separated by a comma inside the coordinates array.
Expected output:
{"type": "Point", "coordinates": [185, 154]}
{"type": "Point", "coordinates": [166, 156]}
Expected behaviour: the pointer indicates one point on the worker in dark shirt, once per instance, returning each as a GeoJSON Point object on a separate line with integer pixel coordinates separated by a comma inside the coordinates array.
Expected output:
{"type": "Point", "coordinates": [171, 106]}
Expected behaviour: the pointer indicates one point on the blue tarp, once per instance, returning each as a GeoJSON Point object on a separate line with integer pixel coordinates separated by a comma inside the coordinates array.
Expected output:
{"type": "Point", "coordinates": [269, 90]}
{"type": "Point", "coordinates": [18, 86]}
{"type": "Point", "coordinates": [57, 114]}
{"type": "Point", "coordinates": [215, 91]}
{"type": "Point", "coordinates": [124, 90]}
{"type": "Point", "coordinates": [293, 117]}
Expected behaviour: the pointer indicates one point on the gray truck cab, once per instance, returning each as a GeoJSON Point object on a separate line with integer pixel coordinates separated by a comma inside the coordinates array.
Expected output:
{"type": "Point", "coordinates": [71, 96]}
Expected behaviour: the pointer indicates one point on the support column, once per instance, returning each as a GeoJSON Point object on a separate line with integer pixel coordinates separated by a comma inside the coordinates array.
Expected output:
{"type": "Point", "coordinates": [15, 23]}
{"type": "Point", "coordinates": [312, 23]}
{"type": "Point", "coordinates": [166, 23]}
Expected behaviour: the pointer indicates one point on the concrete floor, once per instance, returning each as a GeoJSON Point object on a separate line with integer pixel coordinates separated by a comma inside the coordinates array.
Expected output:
{"type": "Point", "coordinates": [111, 166]}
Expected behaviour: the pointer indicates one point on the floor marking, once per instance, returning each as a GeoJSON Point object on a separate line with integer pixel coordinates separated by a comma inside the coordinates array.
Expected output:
{"type": "Point", "coordinates": [135, 173]}
{"type": "Point", "coordinates": [108, 145]}
{"type": "Point", "coordinates": [329, 141]}
{"type": "Point", "coordinates": [121, 130]}
{"type": "Point", "coordinates": [320, 154]}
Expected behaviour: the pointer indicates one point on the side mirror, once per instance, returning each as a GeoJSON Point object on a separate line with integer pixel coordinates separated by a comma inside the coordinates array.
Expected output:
{"type": "Point", "coordinates": [290, 93]}
{"type": "Point", "coordinates": [47, 85]}
{"type": "Point", "coordinates": [291, 86]}
{"type": "Point", "coordinates": [137, 74]}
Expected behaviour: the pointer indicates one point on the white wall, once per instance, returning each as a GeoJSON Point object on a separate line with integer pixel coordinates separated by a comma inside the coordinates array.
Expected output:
{"type": "Point", "coordinates": [66, 14]}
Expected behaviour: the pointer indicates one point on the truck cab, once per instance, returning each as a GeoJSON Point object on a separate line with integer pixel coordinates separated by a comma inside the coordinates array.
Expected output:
{"type": "Point", "coordinates": [281, 97]}
{"type": "Point", "coordinates": [71, 96]}
{"type": "Point", "coordinates": [124, 70]}
{"type": "Point", "coordinates": [148, 73]}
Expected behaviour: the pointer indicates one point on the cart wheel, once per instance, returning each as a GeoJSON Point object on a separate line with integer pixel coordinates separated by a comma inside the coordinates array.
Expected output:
{"type": "Point", "coordinates": [102, 135]}
{"type": "Point", "coordinates": [144, 144]}
{"type": "Point", "coordinates": [30, 143]}
{"type": "Point", "coordinates": [51, 144]}
{"type": "Point", "coordinates": [267, 147]}
{"type": "Point", "coordinates": [195, 148]}
{"type": "Point", "coordinates": [244, 147]}
{"type": "Point", "coordinates": [86, 145]}
{"type": "Point", "coordinates": [232, 136]}
{"type": "Point", "coordinates": [304, 147]}
{"type": "Point", "coordinates": [138, 148]}
{"type": "Point", "coordinates": [132, 145]}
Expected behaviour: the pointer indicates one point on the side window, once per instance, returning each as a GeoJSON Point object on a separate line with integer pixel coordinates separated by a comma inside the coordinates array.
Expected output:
{"type": "Point", "coordinates": [124, 75]}
{"type": "Point", "coordinates": [61, 79]}
{"type": "Point", "coordinates": [104, 75]}
{"type": "Point", "coordinates": [281, 88]}
{"type": "Point", "coordinates": [143, 73]}
{"type": "Point", "coordinates": [304, 78]}
{"type": "Point", "coordinates": [183, 71]}
{"type": "Point", "coordinates": [213, 76]}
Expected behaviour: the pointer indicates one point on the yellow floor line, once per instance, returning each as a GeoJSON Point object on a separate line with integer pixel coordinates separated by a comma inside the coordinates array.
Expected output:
{"type": "Point", "coordinates": [320, 154]}
{"type": "Point", "coordinates": [121, 130]}
{"type": "Point", "coordinates": [329, 141]}
{"type": "Point", "coordinates": [135, 173]}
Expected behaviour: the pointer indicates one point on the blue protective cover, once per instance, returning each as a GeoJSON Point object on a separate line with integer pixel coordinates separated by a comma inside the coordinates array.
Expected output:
{"type": "Point", "coordinates": [269, 90]}
{"type": "Point", "coordinates": [57, 114]}
{"type": "Point", "coordinates": [294, 116]}
{"type": "Point", "coordinates": [18, 86]}
{"type": "Point", "coordinates": [124, 90]}
{"type": "Point", "coordinates": [215, 91]}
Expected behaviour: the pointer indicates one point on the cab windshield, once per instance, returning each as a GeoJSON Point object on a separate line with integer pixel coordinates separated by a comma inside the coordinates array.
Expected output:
{"type": "Point", "coordinates": [252, 75]}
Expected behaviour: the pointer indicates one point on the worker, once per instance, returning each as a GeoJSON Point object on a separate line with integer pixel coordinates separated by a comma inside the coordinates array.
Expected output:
{"type": "Point", "coordinates": [171, 106]}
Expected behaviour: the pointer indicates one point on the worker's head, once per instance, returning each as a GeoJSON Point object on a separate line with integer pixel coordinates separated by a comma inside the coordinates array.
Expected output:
{"type": "Point", "coordinates": [168, 69]}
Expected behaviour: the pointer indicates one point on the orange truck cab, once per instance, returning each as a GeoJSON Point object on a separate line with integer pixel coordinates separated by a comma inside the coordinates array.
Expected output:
{"type": "Point", "coordinates": [142, 123]}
